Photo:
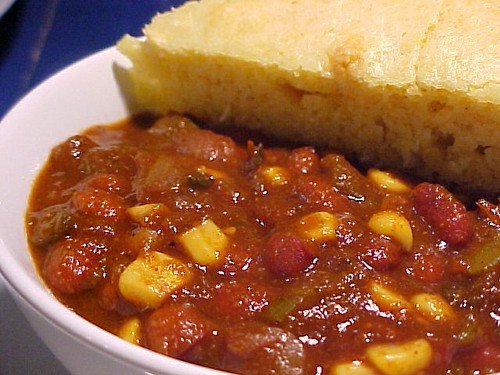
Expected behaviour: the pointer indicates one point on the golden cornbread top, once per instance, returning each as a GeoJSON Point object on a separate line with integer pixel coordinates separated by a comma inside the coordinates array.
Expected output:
{"type": "Point", "coordinates": [409, 44]}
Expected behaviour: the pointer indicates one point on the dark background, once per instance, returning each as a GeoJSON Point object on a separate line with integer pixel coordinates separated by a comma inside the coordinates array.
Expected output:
{"type": "Point", "coordinates": [37, 39]}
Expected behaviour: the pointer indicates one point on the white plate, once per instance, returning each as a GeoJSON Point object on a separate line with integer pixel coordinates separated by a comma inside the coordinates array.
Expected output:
{"type": "Point", "coordinates": [84, 94]}
{"type": "Point", "coordinates": [5, 5]}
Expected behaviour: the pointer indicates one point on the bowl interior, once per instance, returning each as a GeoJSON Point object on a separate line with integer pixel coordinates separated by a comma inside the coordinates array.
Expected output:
{"type": "Point", "coordinates": [76, 98]}
{"type": "Point", "coordinates": [82, 95]}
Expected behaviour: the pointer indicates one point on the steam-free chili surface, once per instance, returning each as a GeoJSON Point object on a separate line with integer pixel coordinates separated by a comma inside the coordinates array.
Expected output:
{"type": "Point", "coordinates": [265, 260]}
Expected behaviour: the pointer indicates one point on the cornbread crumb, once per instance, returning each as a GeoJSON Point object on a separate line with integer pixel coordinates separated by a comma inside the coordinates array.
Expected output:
{"type": "Point", "coordinates": [404, 84]}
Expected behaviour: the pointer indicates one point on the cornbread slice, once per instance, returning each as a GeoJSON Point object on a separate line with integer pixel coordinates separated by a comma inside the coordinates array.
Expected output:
{"type": "Point", "coordinates": [412, 84]}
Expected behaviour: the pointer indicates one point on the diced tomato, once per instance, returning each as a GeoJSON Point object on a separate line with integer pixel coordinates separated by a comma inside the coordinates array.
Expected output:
{"type": "Point", "coordinates": [287, 255]}
{"type": "Point", "coordinates": [108, 182]}
{"type": "Point", "coordinates": [429, 267]}
{"type": "Point", "coordinates": [98, 203]}
{"type": "Point", "coordinates": [239, 299]}
{"type": "Point", "coordinates": [112, 159]}
{"type": "Point", "coordinates": [492, 211]}
{"type": "Point", "coordinates": [446, 214]}
{"type": "Point", "coordinates": [382, 253]}
{"type": "Point", "coordinates": [317, 191]}
{"type": "Point", "coordinates": [174, 329]}
{"type": "Point", "coordinates": [109, 296]}
{"type": "Point", "coordinates": [304, 160]}
{"type": "Point", "coordinates": [255, 346]}
{"type": "Point", "coordinates": [264, 209]}
{"type": "Point", "coordinates": [69, 152]}
{"type": "Point", "coordinates": [73, 266]}
{"type": "Point", "coordinates": [485, 359]}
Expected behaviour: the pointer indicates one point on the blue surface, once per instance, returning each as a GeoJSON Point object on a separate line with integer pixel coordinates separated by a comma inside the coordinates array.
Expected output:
{"type": "Point", "coordinates": [37, 39]}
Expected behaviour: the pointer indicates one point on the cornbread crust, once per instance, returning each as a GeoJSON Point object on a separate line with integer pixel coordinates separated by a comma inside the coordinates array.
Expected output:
{"type": "Point", "coordinates": [402, 84]}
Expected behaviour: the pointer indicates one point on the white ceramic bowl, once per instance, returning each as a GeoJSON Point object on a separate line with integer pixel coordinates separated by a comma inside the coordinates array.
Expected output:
{"type": "Point", "coordinates": [83, 94]}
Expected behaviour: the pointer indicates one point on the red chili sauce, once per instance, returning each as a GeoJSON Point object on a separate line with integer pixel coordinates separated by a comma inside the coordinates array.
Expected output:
{"type": "Point", "coordinates": [265, 260]}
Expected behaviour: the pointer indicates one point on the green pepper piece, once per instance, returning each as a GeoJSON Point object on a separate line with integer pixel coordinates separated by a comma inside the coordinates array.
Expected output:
{"type": "Point", "coordinates": [488, 255]}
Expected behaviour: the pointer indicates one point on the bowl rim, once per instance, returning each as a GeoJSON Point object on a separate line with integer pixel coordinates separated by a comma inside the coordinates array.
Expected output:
{"type": "Point", "coordinates": [38, 296]}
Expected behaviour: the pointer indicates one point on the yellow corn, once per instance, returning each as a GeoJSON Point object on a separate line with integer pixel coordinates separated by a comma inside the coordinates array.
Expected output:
{"type": "Point", "coordinates": [147, 214]}
{"type": "Point", "coordinates": [433, 307]}
{"type": "Point", "coordinates": [351, 368]}
{"type": "Point", "coordinates": [401, 359]}
{"type": "Point", "coordinates": [131, 331]}
{"type": "Point", "coordinates": [318, 226]}
{"type": "Point", "coordinates": [150, 279]}
{"type": "Point", "coordinates": [205, 243]}
{"type": "Point", "coordinates": [394, 225]}
{"type": "Point", "coordinates": [388, 181]}
{"type": "Point", "coordinates": [275, 176]}
{"type": "Point", "coordinates": [386, 298]}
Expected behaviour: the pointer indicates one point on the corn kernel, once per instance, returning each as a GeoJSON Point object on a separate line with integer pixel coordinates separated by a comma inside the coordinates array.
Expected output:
{"type": "Point", "coordinates": [205, 243]}
{"type": "Point", "coordinates": [433, 307]}
{"type": "Point", "coordinates": [394, 225]}
{"type": "Point", "coordinates": [150, 279]}
{"type": "Point", "coordinates": [147, 214]}
{"type": "Point", "coordinates": [386, 298]}
{"type": "Point", "coordinates": [318, 226]}
{"type": "Point", "coordinates": [401, 359]}
{"type": "Point", "coordinates": [275, 176]}
{"type": "Point", "coordinates": [388, 181]}
{"type": "Point", "coordinates": [351, 368]}
{"type": "Point", "coordinates": [131, 331]}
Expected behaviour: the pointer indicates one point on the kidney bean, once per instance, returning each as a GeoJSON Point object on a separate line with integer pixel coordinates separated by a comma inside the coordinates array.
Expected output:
{"type": "Point", "coordinates": [304, 160]}
{"type": "Point", "coordinates": [98, 203]}
{"type": "Point", "coordinates": [446, 214]}
{"type": "Point", "coordinates": [382, 253]}
{"type": "Point", "coordinates": [287, 255]}
{"type": "Point", "coordinates": [174, 329]}
{"type": "Point", "coordinates": [74, 265]}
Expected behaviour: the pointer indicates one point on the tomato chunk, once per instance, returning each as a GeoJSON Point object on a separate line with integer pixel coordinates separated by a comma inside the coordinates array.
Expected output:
{"type": "Point", "coordinates": [382, 253]}
{"type": "Point", "coordinates": [255, 346]}
{"type": "Point", "coordinates": [304, 160]}
{"type": "Point", "coordinates": [319, 192]}
{"type": "Point", "coordinates": [446, 214]}
{"type": "Point", "coordinates": [108, 182]}
{"type": "Point", "coordinates": [98, 203]}
{"type": "Point", "coordinates": [73, 266]}
{"type": "Point", "coordinates": [240, 299]}
{"type": "Point", "coordinates": [173, 330]}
